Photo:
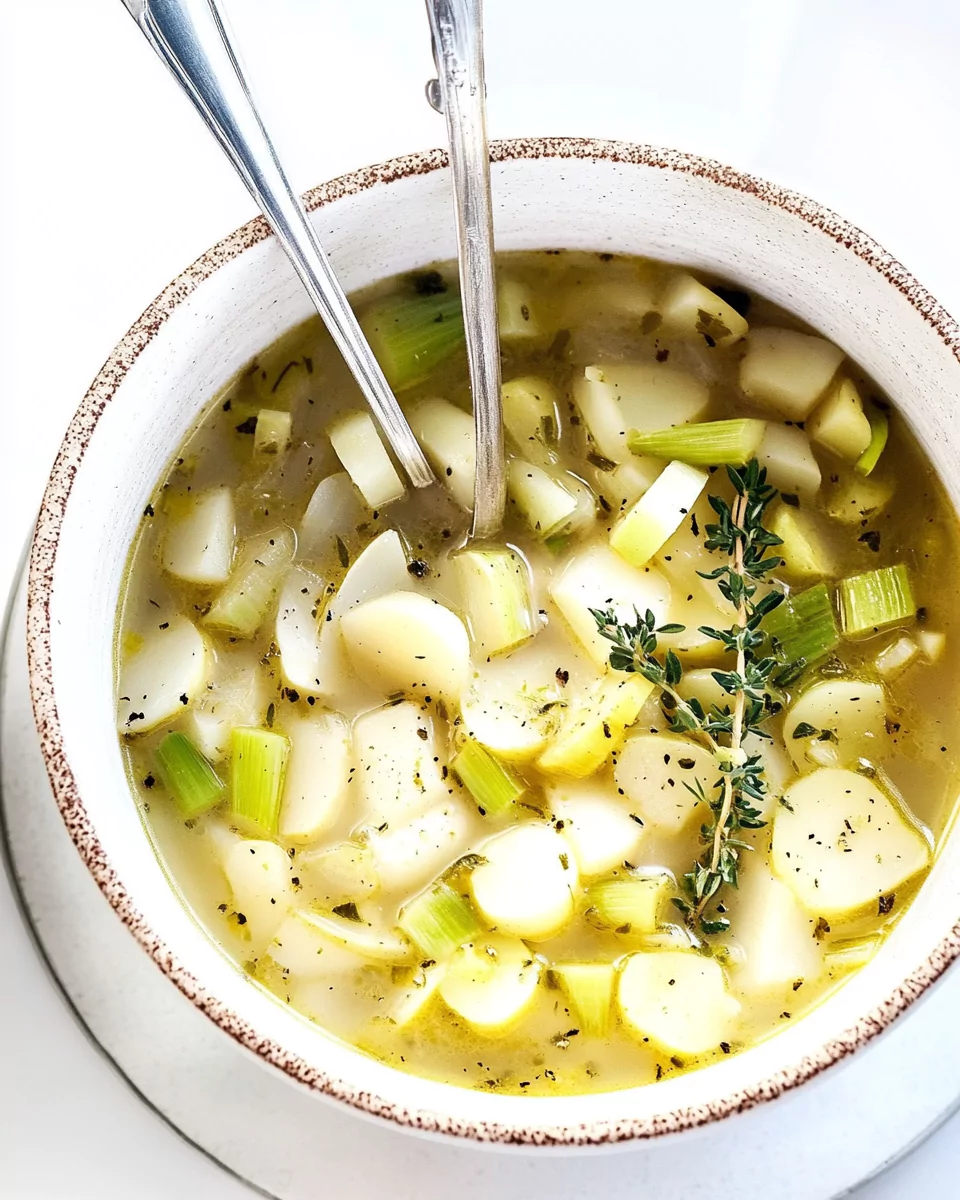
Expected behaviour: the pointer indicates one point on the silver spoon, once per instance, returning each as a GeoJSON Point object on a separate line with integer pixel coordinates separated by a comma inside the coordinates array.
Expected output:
{"type": "Point", "coordinates": [459, 93]}
{"type": "Point", "coordinates": [191, 38]}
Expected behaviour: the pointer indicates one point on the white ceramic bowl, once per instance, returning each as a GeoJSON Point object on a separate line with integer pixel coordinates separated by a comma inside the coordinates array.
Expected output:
{"type": "Point", "coordinates": [240, 296]}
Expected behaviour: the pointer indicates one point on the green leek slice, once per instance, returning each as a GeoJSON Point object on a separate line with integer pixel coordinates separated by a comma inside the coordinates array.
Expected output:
{"type": "Point", "coordinates": [705, 444]}
{"type": "Point", "coordinates": [257, 770]}
{"type": "Point", "coordinates": [195, 785]}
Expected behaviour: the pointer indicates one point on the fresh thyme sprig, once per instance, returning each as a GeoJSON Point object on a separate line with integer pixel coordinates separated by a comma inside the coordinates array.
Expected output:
{"type": "Point", "coordinates": [738, 534]}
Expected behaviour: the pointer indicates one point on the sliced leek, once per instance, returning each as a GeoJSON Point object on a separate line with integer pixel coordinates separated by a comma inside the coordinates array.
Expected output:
{"type": "Point", "coordinates": [495, 585]}
{"type": "Point", "coordinates": [257, 771]}
{"type": "Point", "coordinates": [876, 599]}
{"type": "Point", "coordinates": [706, 444]}
{"type": "Point", "coordinates": [195, 785]}
{"type": "Point", "coordinates": [629, 903]}
{"type": "Point", "coordinates": [242, 606]}
{"type": "Point", "coordinates": [594, 726]}
{"type": "Point", "coordinates": [657, 514]}
{"type": "Point", "coordinates": [439, 920]}
{"type": "Point", "coordinates": [589, 989]}
{"type": "Point", "coordinates": [879, 432]}
{"type": "Point", "coordinates": [803, 627]}
{"type": "Point", "coordinates": [410, 335]}
{"type": "Point", "coordinates": [493, 785]}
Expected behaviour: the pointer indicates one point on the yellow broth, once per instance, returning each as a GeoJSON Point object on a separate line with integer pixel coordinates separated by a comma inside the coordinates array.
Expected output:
{"type": "Point", "coordinates": [590, 310]}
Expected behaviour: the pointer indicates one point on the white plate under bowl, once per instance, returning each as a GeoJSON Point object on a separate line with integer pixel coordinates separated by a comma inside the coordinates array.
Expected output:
{"type": "Point", "coordinates": [812, 1144]}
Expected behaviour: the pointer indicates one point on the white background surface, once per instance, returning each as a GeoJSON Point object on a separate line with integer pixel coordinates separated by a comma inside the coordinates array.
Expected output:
{"type": "Point", "coordinates": [110, 187]}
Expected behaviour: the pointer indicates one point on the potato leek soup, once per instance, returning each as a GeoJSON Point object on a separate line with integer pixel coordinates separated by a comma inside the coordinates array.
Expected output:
{"type": "Point", "coordinates": [608, 799]}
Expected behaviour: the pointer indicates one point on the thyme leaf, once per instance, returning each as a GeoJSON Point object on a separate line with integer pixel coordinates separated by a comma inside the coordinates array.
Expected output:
{"type": "Point", "coordinates": [739, 536]}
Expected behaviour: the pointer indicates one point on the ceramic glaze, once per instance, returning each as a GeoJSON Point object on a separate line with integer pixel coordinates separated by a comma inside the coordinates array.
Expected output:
{"type": "Point", "coordinates": [239, 297]}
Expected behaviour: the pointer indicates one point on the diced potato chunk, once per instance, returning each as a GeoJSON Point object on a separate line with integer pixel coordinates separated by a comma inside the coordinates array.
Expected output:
{"type": "Point", "coordinates": [594, 725]}
{"type": "Point", "coordinates": [198, 542]}
{"type": "Point", "coordinates": [408, 643]}
{"type": "Point", "coordinates": [840, 424]}
{"type": "Point", "coordinates": [490, 982]}
{"type": "Point", "coordinates": [653, 769]}
{"type": "Point", "coordinates": [694, 607]}
{"type": "Point", "coordinates": [623, 297]}
{"type": "Point", "coordinates": [516, 311]}
{"type": "Point", "coordinates": [236, 693]}
{"type": "Point", "coordinates": [678, 999]}
{"type": "Point", "coordinates": [531, 416]}
{"type": "Point", "coordinates": [626, 483]}
{"type": "Point", "coordinates": [700, 684]}
{"type": "Point", "coordinates": [689, 307]}
{"type": "Point", "coordinates": [379, 570]}
{"type": "Point", "coordinates": [855, 498]}
{"type": "Point", "coordinates": [775, 933]}
{"type": "Point", "coordinates": [894, 659]}
{"type": "Point", "coordinates": [835, 723]}
{"type": "Point", "coordinates": [357, 444]}
{"type": "Point", "coordinates": [448, 438]}
{"type": "Point", "coordinates": [259, 874]}
{"type": "Point", "coordinates": [333, 514]}
{"type": "Point", "coordinates": [932, 644]}
{"type": "Point", "coordinates": [299, 607]}
{"type": "Point", "coordinates": [162, 677]}
{"type": "Point", "coordinates": [541, 497]}
{"type": "Point", "coordinates": [597, 826]}
{"type": "Point", "coordinates": [787, 372]}
{"type": "Point", "coordinates": [786, 454]}
{"type": "Point", "coordinates": [598, 578]}
{"type": "Point", "coordinates": [303, 946]}
{"type": "Point", "coordinates": [512, 716]}
{"type": "Point", "coordinates": [525, 886]}
{"type": "Point", "coordinates": [409, 855]}
{"type": "Point", "coordinates": [416, 994]}
{"type": "Point", "coordinates": [399, 772]}
{"type": "Point", "coordinates": [615, 398]}
{"type": "Point", "coordinates": [840, 843]}
{"type": "Point", "coordinates": [805, 552]}
{"type": "Point", "coordinates": [336, 874]}
{"type": "Point", "coordinates": [272, 434]}
{"type": "Point", "coordinates": [318, 772]}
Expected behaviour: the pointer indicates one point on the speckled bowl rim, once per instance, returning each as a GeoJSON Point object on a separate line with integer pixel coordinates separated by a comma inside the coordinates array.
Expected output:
{"type": "Point", "coordinates": [70, 803]}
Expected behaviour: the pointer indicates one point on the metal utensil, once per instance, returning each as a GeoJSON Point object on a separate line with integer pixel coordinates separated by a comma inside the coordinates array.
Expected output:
{"type": "Point", "coordinates": [191, 38]}
{"type": "Point", "coordinates": [459, 92]}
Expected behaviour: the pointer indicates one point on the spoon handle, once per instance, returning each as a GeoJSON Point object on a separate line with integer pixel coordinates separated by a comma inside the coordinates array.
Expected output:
{"type": "Point", "coordinates": [457, 28]}
{"type": "Point", "coordinates": [191, 38]}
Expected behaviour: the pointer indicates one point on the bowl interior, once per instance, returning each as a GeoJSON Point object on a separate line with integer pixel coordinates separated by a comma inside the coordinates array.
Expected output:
{"type": "Point", "coordinates": [236, 300]}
